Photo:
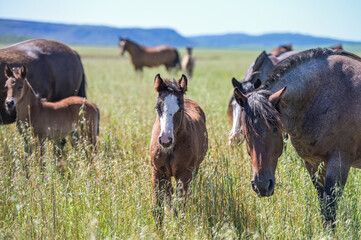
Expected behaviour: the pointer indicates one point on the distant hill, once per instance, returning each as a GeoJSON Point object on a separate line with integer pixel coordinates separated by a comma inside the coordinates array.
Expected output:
{"type": "Point", "coordinates": [12, 31]}
{"type": "Point", "coordinates": [264, 40]}
{"type": "Point", "coordinates": [91, 35]}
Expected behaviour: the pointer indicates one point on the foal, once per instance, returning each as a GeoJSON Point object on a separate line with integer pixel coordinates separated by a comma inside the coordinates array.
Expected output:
{"type": "Point", "coordinates": [179, 140]}
{"type": "Point", "coordinates": [49, 120]}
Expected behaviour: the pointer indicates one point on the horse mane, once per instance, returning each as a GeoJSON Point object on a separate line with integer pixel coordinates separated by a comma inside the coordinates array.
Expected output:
{"type": "Point", "coordinates": [258, 106]}
{"type": "Point", "coordinates": [172, 86]}
{"type": "Point", "coordinates": [294, 61]}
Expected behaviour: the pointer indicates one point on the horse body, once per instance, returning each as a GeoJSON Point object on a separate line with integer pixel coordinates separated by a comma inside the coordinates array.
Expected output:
{"type": "Point", "coordinates": [188, 62]}
{"type": "Point", "coordinates": [321, 102]}
{"type": "Point", "coordinates": [47, 119]}
{"type": "Point", "coordinates": [55, 71]}
{"type": "Point", "coordinates": [255, 76]}
{"type": "Point", "coordinates": [150, 56]}
{"type": "Point", "coordinates": [179, 140]}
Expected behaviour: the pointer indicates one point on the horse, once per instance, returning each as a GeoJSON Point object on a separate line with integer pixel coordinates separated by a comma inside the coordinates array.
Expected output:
{"type": "Point", "coordinates": [55, 71]}
{"type": "Point", "coordinates": [281, 49]}
{"type": "Point", "coordinates": [149, 56]}
{"type": "Point", "coordinates": [314, 96]}
{"type": "Point", "coordinates": [188, 62]}
{"type": "Point", "coordinates": [48, 120]}
{"type": "Point", "coordinates": [335, 47]}
{"type": "Point", "coordinates": [255, 76]}
{"type": "Point", "coordinates": [179, 141]}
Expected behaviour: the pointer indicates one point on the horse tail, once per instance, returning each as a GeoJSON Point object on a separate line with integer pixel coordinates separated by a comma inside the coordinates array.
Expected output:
{"type": "Point", "coordinates": [176, 62]}
{"type": "Point", "coordinates": [81, 91]}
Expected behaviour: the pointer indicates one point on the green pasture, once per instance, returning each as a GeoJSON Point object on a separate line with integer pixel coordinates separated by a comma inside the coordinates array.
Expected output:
{"type": "Point", "coordinates": [113, 198]}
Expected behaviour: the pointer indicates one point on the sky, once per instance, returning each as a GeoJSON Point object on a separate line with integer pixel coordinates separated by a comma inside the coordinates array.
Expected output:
{"type": "Point", "coordinates": [324, 18]}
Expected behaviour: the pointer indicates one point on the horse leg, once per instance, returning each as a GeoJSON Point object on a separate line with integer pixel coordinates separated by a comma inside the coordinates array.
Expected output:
{"type": "Point", "coordinates": [337, 170]}
{"type": "Point", "coordinates": [183, 181]}
{"type": "Point", "coordinates": [162, 187]}
{"type": "Point", "coordinates": [27, 149]}
{"type": "Point", "coordinates": [41, 143]}
{"type": "Point", "coordinates": [58, 149]}
{"type": "Point", "coordinates": [318, 174]}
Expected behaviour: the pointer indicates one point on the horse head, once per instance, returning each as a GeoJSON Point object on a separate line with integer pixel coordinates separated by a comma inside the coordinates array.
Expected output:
{"type": "Point", "coordinates": [261, 124]}
{"type": "Point", "coordinates": [236, 136]}
{"type": "Point", "coordinates": [14, 85]}
{"type": "Point", "coordinates": [122, 45]}
{"type": "Point", "coordinates": [170, 108]}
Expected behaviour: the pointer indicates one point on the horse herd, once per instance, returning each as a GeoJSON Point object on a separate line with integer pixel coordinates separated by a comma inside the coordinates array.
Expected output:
{"type": "Point", "coordinates": [313, 95]}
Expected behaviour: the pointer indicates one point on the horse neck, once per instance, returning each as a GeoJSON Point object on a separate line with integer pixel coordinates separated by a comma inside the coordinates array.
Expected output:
{"type": "Point", "coordinates": [28, 103]}
{"type": "Point", "coordinates": [132, 48]}
{"type": "Point", "coordinates": [302, 84]}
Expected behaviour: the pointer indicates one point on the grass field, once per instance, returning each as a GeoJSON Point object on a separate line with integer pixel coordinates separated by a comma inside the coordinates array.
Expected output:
{"type": "Point", "coordinates": [113, 199]}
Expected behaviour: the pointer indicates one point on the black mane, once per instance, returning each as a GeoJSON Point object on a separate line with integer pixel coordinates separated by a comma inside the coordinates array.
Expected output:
{"type": "Point", "coordinates": [293, 61]}
{"type": "Point", "coordinates": [258, 106]}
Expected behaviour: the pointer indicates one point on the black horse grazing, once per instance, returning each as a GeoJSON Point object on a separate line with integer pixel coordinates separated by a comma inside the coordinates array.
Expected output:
{"type": "Point", "coordinates": [54, 71]}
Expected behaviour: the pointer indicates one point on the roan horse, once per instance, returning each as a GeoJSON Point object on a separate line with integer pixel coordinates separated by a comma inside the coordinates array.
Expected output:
{"type": "Point", "coordinates": [55, 71]}
{"type": "Point", "coordinates": [255, 76]}
{"type": "Point", "coordinates": [188, 62]}
{"type": "Point", "coordinates": [179, 141]}
{"type": "Point", "coordinates": [321, 102]}
{"type": "Point", "coordinates": [49, 120]}
{"type": "Point", "coordinates": [142, 56]}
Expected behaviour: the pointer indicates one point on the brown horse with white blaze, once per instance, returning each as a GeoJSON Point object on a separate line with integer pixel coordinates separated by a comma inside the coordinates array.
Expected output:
{"type": "Point", "coordinates": [321, 101]}
{"type": "Point", "coordinates": [55, 71]}
{"type": "Point", "coordinates": [142, 56]}
{"type": "Point", "coordinates": [179, 140]}
{"type": "Point", "coordinates": [49, 120]}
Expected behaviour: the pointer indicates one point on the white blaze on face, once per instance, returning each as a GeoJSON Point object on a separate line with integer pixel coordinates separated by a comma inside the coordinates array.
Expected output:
{"type": "Point", "coordinates": [235, 131]}
{"type": "Point", "coordinates": [170, 107]}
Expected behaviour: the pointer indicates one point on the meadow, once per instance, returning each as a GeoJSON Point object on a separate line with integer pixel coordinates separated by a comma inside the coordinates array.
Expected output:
{"type": "Point", "coordinates": [113, 198]}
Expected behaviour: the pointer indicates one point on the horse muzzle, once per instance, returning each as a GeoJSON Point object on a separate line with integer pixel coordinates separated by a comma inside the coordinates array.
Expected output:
{"type": "Point", "coordinates": [10, 104]}
{"type": "Point", "coordinates": [263, 187]}
{"type": "Point", "coordinates": [166, 142]}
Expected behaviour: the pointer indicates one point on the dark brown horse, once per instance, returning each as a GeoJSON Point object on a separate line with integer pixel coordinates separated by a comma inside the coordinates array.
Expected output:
{"type": "Point", "coordinates": [55, 71]}
{"type": "Point", "coordinates": [321, 103]}
{"type": "Point", "coordinates": [281, 49]}
{"type": "Point", "coordinates": [142, 56]}
{"type": "Point", "coordinates": [49, 120]}
{"type": "Point", "coordinates": [179, 140]}
{"type": "Point", "coordinates": [255, 76]}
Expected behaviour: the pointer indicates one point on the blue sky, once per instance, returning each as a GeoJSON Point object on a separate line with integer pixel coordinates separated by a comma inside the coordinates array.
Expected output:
{"type": "Point", "coordinates": [326, 18]}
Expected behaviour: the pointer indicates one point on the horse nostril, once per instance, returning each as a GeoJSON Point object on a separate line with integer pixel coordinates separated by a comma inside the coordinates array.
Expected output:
{"type": "Point", "coordinates": [170, 140]}
{"type": "Point", "coordinates": [271, 186]}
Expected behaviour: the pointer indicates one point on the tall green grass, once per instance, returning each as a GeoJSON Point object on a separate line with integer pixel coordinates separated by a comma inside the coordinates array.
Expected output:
{"type": "Point", "coordinates": [112, 199]}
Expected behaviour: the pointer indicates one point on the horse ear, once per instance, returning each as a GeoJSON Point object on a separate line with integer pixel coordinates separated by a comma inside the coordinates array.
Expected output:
{"type": "Point", "coordinates": [257, 83]}
{"type": "Point", "coordinates": [277, 96]}
{"type": "Point", "coordinates": [237, 84]}
{"type": "Point", "coordinates": [259, 61]}
{"type": "Point", "coordinates": [159, 84]}
{"type": "Point", "coordinates": [22, 71]}
{"type": "Point", "coordinates": [240, 97]}
{"type": "Point", "coordinates": [182, 83]}
{"type": "Point", "coordinates": [7, 71]}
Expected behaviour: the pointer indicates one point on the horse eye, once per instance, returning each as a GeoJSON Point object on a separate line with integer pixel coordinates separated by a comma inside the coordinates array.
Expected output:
{"type": "Point", "coordinates": [20, 87]}
{"type": "Point", "coordinates": [275, 130]}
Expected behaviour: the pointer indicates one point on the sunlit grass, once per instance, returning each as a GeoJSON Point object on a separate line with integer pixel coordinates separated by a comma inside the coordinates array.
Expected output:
{"type": "Point", "coordinates": [112, 199]}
